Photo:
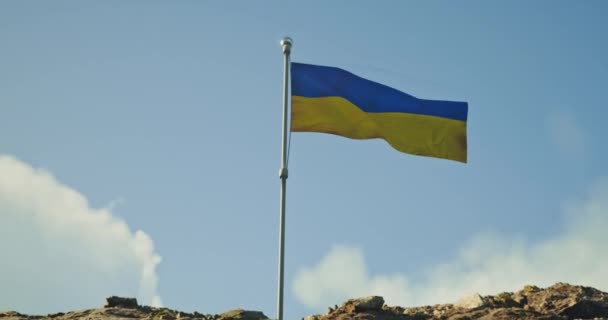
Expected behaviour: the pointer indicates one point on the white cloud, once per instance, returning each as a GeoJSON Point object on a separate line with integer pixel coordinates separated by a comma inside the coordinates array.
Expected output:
{"type": "Point", "coordinates": [567, 135]}
{"type": "Point", "coordinates": [341, 274]}
{"type": "Point", "coordinates": [488, 264]}
{"type": "Point", "coordinates": [57, 253]}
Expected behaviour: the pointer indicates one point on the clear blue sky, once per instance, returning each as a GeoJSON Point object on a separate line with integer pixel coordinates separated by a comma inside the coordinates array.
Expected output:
{"type": "Point", "coordinates": [174, 108]}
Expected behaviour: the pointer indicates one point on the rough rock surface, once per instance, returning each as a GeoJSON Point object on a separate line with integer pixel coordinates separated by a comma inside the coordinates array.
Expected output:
{"type": "Point", "coordinates": [558, 302]}
{"type": "Point", "coordinates": [118, 308]}
{"type": "Point", "coordinates": [471, 302]}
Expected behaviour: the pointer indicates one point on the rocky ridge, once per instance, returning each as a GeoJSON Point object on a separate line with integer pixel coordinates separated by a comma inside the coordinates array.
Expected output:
{"type": "Point", "coordinates": [558, 302]}
{"type": "Point", "coordinates": [561, 301]}
{"type": "Point", "coordinates": [118, 308]}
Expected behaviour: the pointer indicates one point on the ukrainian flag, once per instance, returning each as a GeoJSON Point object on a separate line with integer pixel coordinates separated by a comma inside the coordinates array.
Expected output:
{"type": "Point", "coordinates": [332, 100]}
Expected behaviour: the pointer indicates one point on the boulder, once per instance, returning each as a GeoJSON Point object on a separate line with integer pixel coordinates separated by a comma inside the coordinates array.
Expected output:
{"type": "Point", "coordinates": [120, 302]}
{"type": "Point", "coordinates": [371, 303]}
{"type": "Point", "coordinates": [240, 314]}
{"type": "Point", "coordinates": [472, 301]}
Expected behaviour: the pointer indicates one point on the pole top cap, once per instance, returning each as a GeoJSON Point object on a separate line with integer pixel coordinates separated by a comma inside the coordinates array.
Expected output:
{"type": "Point", "coordinates": [286, 44]}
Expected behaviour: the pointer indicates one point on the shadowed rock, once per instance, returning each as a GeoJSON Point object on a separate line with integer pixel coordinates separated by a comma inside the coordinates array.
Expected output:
{"type": "Point", "coordinates": [120, 302]}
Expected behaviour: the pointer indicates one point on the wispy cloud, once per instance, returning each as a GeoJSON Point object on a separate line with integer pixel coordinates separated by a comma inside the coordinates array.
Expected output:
{"type": "Point", "coordinates": [567, 134]}
{"type": "Point", "coordinates": [58, 253]}
{"type": "Point", "coordinates": [488, 264]}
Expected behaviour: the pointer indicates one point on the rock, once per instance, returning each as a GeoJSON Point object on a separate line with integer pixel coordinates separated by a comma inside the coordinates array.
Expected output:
{"type": "Point", "coordinates": [530, 289]}
{"type": "Point", "coordinates": [586, 309]}
{"type": "Point", "coordinates": [504, 300]}
{"type": "Point", "coordinates": [11, 315]}
{"type": "Point", "coordinates": [518, 313]}
{"type": "Point", "coordinates": [473, 301]}
{"type": "Point", "coordinates": [571, 301]}
{"type": "Point", "coordinates": [120, 302]}
{"type": "Point", "coordinates": [367, 303]}
{"type": "Point", "coordinates": [240, 314]}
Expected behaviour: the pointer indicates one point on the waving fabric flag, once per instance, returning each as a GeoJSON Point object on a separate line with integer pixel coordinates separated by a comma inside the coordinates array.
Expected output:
{"type": "Point", "coordinates": [332, 100]}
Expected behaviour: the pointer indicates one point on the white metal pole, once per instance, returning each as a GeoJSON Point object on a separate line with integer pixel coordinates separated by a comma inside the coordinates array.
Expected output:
{"type": "Point", "coordinates": [283, 173]}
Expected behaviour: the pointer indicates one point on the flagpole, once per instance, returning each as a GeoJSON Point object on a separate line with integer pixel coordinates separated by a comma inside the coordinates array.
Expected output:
{"type": "Point", "coordinates": [283, 173]}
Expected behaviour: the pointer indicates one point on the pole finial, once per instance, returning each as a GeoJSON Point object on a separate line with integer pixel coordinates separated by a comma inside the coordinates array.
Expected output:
{"type": "Point", "coordinates": [286, 44]}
